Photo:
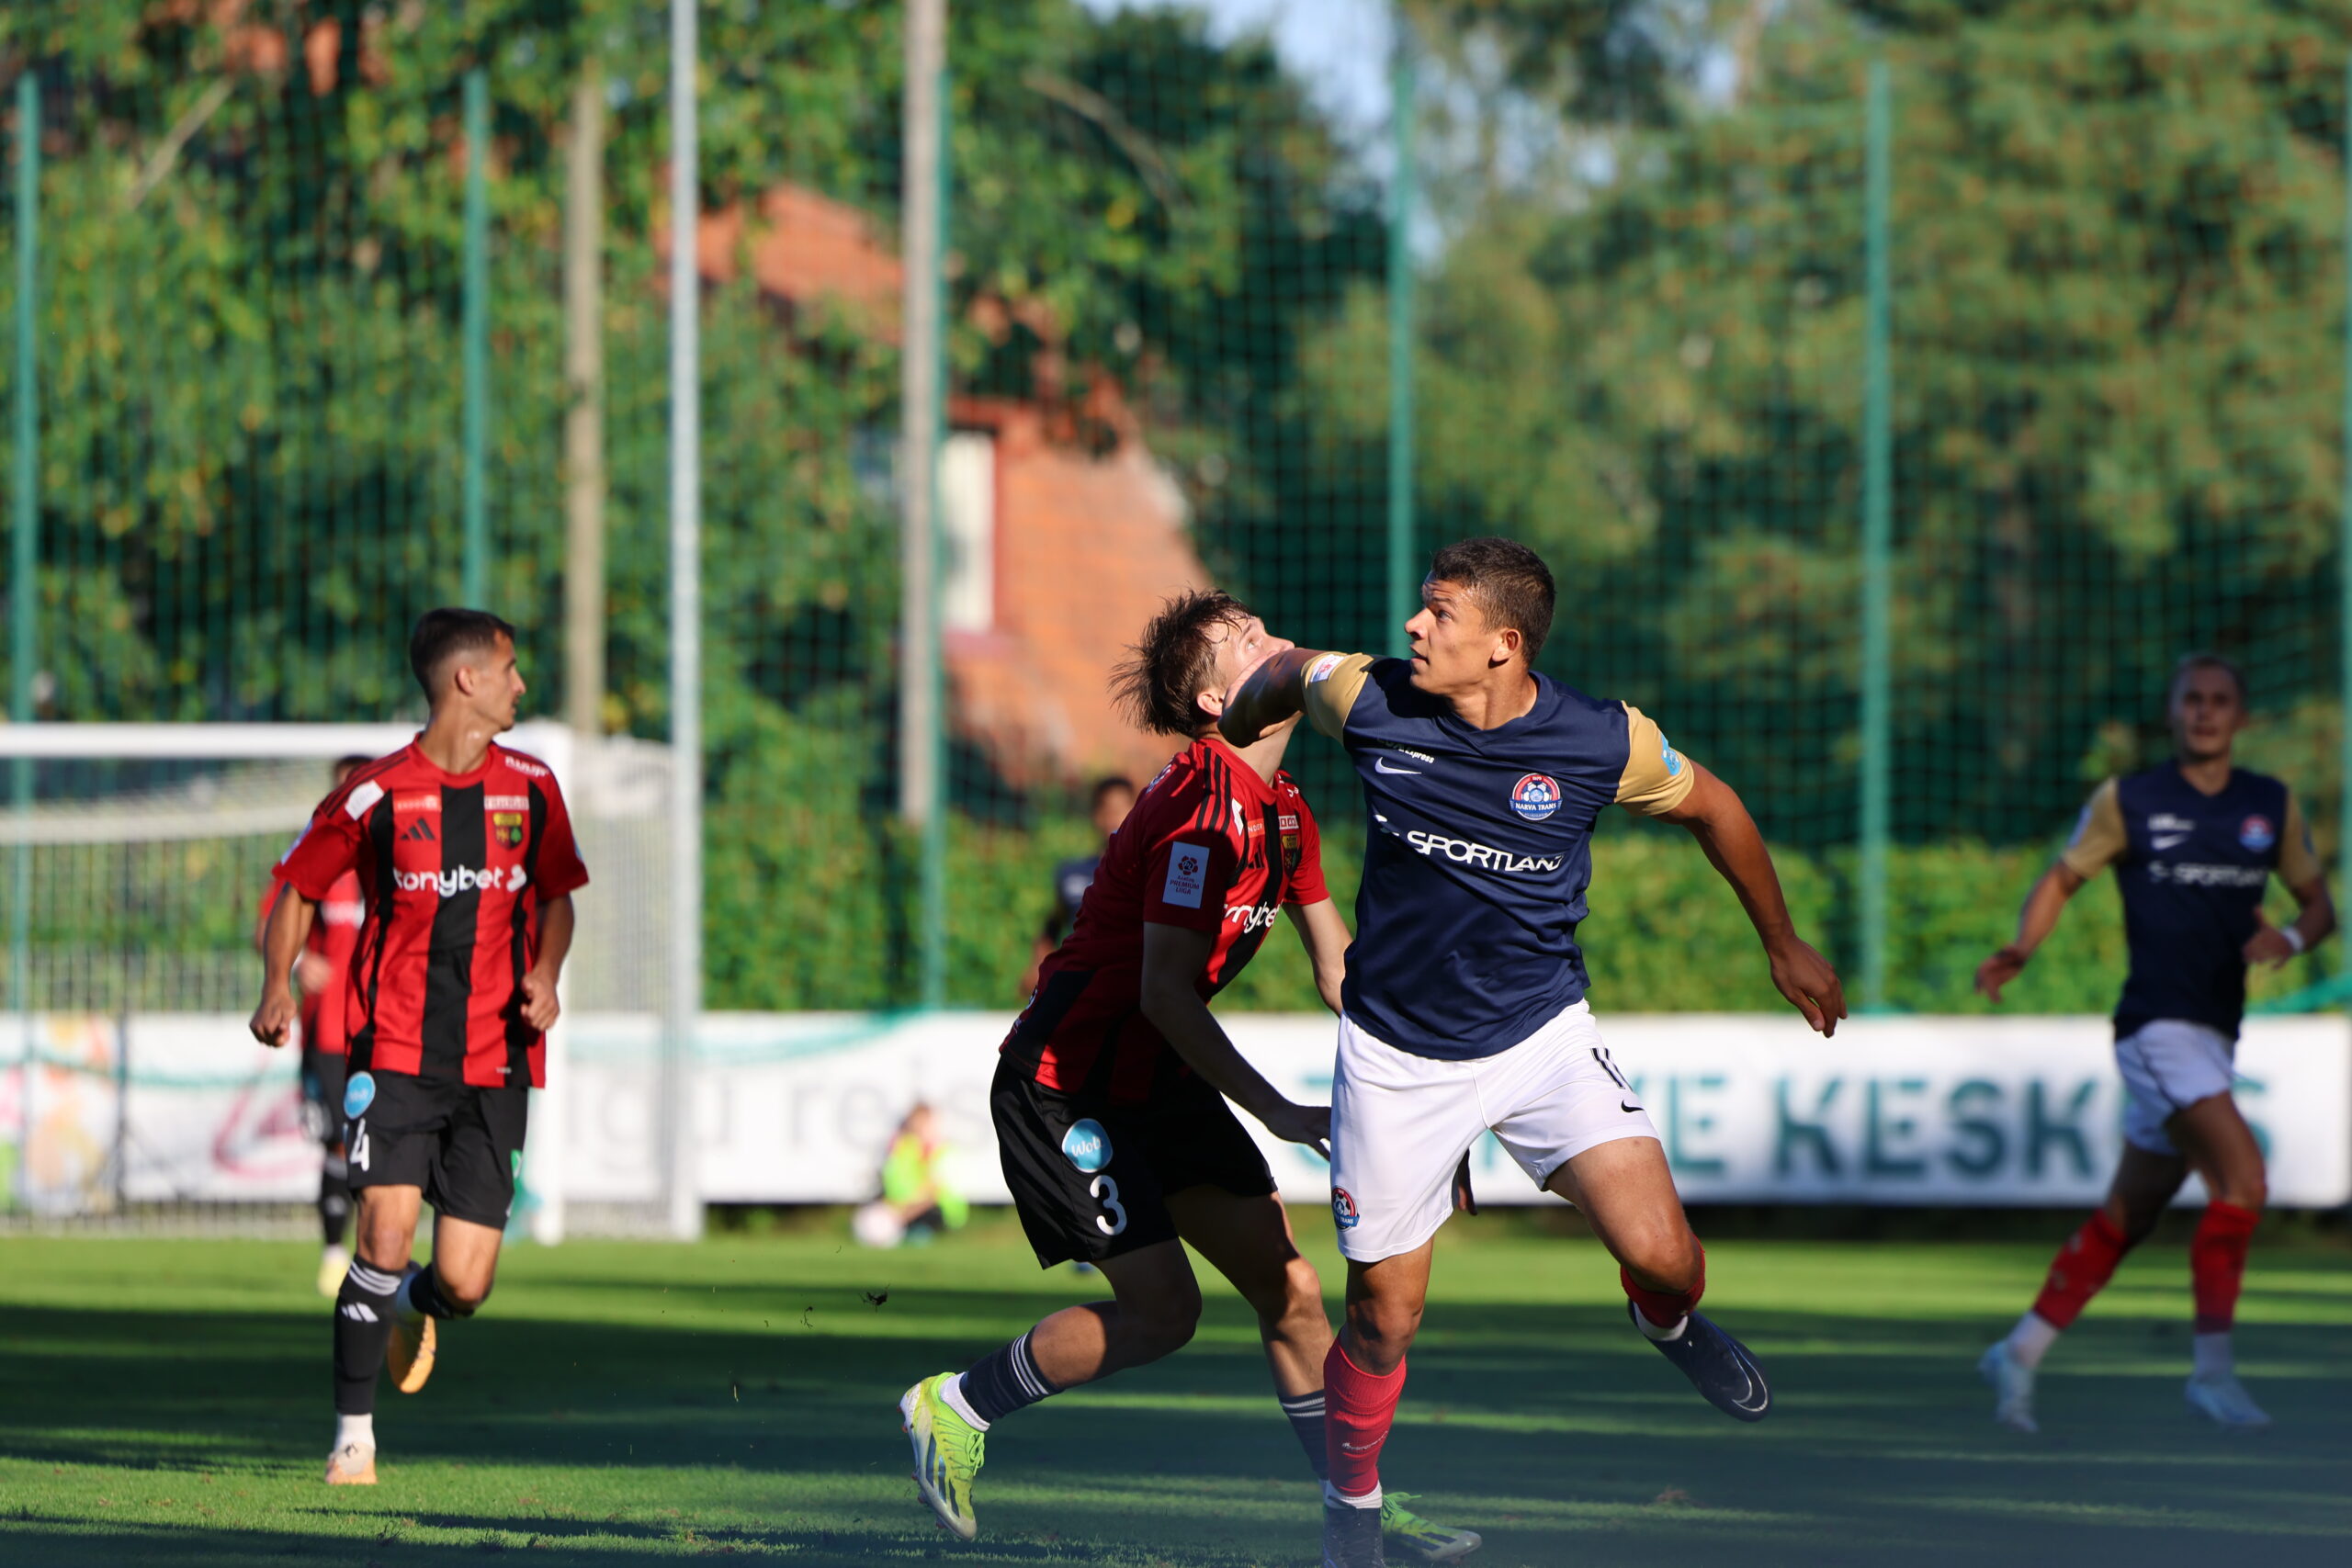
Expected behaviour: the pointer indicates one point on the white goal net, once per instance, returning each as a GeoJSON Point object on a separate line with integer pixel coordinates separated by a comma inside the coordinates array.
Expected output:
{"type": "Point", "coordinates": [134, 864]}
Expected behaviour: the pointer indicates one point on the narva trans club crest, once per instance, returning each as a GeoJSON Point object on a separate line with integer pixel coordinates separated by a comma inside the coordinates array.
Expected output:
{"type": "Point", "coordinates": [1535, 797]}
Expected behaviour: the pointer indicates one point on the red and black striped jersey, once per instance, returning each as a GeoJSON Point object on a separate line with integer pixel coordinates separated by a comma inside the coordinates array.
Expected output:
{"type": "Point", "coordinates": [453, 869]}
{"type": "Point", "coordinates": [1210, 846]}
{"type": "Point", "coordinates": [334, 937]}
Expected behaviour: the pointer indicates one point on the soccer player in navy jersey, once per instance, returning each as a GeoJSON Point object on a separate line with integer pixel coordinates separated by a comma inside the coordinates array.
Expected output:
{"type": "Point", "coordinates": [1110, 1098]}
{"type": "Point", "coordinates": [1109, 802]}
{"type": "Point", "coordinates": [2193, 843]}
{"type": "Point", "coordinates": [467, 867]}
{"type": "Point", "coordinates": [1463, 1008]}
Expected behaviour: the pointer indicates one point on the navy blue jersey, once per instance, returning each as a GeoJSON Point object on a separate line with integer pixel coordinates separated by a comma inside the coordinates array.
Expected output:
{"type": "Point", "coordinates": [2191, 868]}
{"type": "Point", "coordinates": [1071, 879]}
{"type": "Point", "coordinates": [1479, 850]}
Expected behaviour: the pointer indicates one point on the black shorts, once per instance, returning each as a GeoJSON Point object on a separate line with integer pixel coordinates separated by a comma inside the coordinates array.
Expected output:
{"type": "Point", "coordinates": [1091, 1180]}
{"type": "Point", "coordinates": [462, 1145]}
{"type": "Point", "coordinates": [322, 1096]}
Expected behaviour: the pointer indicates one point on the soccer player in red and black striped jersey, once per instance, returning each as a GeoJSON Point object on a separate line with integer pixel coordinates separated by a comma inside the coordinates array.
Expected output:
{"type": "Point", "coordinates": [467, 864]}
{"type": "Point", "coordinates": [324, 970]}
{"type": "Point", "coordinates": [1110, 1098]}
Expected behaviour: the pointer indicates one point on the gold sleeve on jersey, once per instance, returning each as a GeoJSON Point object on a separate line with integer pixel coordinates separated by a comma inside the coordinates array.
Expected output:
{"type": "Point", "coordinates": [1331, 684]}
{"type": "Point", "coordinates": [1657, 778]}
{"type": "Point", "coordinates": [2100, 839]}
{"type": "Point", "coordinates": [2298, 863]}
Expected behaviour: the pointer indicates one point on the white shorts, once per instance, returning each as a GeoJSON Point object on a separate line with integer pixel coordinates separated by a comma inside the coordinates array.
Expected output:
{"type": "Point", "coordinates": [2169, 1065]}
{"type": "Point", "coordinates": [1400, 1123]}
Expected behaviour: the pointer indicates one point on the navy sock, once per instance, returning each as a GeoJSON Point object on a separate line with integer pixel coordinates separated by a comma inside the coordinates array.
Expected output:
{"type": "Point", "coordinates": [363, 1321]}
{"type": "Point", "coordinates": [1006, 1381]}
{"type": "Point", "coordinates": [1306, 1413]}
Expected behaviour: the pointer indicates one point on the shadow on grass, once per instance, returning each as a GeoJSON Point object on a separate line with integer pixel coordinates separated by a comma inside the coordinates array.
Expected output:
{"type": "Point", "coordinates": [1554, 1430]}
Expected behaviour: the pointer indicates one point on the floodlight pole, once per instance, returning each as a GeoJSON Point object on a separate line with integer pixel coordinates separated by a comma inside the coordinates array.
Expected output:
{"type": "Point", "coordinates": [922, 378]}
{"type": "Point", "coordinates": [476, 333]}
{"type": "Point", "coordinates": [683, 1010]}
{"type": "Point", "coordinates": [1404, 595]}
{"type": "Point", "coordinates": [1878, 531]}
{"type": "Point", "coordinates": [2344, 580]}
{"type": "Point", "coordinates": [24, 561]}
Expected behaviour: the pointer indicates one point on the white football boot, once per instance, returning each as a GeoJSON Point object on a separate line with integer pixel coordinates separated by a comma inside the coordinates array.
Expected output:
{"type": "Point", "coordinates": [2226, 1401]}
{"type": "Point", "coordinates": [2012, 1383]}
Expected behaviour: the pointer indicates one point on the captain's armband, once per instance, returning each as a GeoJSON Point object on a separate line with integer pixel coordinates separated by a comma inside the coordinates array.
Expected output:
{"type": "Point", "coordinates": [2100, 837]}
{"type": "Point", "coordinates": [1656, 778]}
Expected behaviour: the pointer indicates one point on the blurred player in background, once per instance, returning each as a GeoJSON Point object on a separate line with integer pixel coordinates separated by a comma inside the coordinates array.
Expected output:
{"type": "Point", "coordinates": [1113, 797]}
{"type": "Point", "coordinates": [1110, 1098]}
{"type": "Point", "coordinates": [323, 971]}
{"type": "Point", "coordinates": [466, 862]}
{"type": "Point", "coordinates": [1463, 1011]}
{"type": "Point", "coordinates": [2193, 843]}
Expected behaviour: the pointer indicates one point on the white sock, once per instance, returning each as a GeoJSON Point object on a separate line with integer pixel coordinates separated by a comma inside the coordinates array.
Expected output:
{"type": "Point", "coordinates": [2214, 1357]}
{"type": "Point", "coordinates": [1335, 1499]}
{"type": "Point", "coordinates": [952, 1391]}
{"type": "Point", "coordinates": [409, 1313]}
{"type": "Point", "coordinates": [2032, 1339]}
{"type": "Point", "coordinates": [1656, 1335]}
{"type": "Point", "coordinates": [349, 1429]}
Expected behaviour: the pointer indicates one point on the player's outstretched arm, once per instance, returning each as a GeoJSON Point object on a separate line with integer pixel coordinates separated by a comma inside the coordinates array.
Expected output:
{"type": "Point", "coordinates": [1269, 693]}
{"type": "Point", "coordinates": [2044, 902]}
{"type": "Point", "coordinates": [281, 944]}
{"type": "Point", "coordinates": [1173, 960]}
{"type": "Point", "coordinates": [1719, 821]}
{"type": "Point", "coordinates": [1323, 930]}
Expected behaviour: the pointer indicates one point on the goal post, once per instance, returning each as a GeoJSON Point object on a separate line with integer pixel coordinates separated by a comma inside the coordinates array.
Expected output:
{"type": "Point", "coordinates": [130, 1094]}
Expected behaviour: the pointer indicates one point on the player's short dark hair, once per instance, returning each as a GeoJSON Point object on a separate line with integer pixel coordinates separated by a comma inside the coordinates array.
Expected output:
{"type": "Point", "coordinates": [346, 763]}
{"type": "Point", "coordinates": [1108, 784]}
{"type": "Point", "coordinates": [441, 635]}
{"type": "Point", "coordinates": [1169, 664]}
{"type": "Point", "coordinates": [1508, 581]}
{"type": "Point", "coordinates": [2192, 662]}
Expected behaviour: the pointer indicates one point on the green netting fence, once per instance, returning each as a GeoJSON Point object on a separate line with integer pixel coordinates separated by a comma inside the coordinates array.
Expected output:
{"type": "Point", "coordinates": [1890, 454]}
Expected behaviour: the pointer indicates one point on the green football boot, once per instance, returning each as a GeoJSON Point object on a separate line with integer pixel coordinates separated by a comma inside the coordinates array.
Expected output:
{"type": "Point", "coordinates": [949, 1451]}
{"type": "Point", "coordinates": [1416, 1539]}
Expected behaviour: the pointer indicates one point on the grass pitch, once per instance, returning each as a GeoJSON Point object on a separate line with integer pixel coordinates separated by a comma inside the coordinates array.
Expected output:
{"type": "Point", "coordinates": [167, 1403]}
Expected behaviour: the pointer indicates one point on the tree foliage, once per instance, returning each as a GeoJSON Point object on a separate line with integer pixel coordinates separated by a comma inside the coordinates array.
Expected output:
{"type": "Point", "coordinates": [2116, 287]}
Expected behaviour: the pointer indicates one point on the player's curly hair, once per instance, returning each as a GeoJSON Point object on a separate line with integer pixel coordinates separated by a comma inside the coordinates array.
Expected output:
{"type": "Point", "coordinates": [1170, 664]}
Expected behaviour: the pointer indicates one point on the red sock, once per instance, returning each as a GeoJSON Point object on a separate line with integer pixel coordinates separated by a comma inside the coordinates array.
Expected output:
{"type": "Point", "coordinates": [1358, 1411]}
{"type": "Point", "coordinates": [1666, 1308]}
{"type": "Point", "coordinates": [2217, 1264]}
{"type": "Point", "coordinates": [2081, 1270]}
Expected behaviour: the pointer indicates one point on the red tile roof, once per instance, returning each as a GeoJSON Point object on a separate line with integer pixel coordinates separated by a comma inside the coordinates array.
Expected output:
{"type": "Point", "coordinates": [1087, 546]}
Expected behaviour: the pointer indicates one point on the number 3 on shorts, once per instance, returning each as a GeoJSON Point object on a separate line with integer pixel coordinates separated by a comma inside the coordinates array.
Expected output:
{"type": "Point", "coordinates": [1113, 1218]}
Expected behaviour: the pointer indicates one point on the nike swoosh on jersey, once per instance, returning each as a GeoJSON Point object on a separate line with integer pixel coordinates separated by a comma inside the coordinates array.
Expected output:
{"type": "Point", "coordinates": [1629, 1109]}
{"type": "Point", "coordinates": [1380, 765]}
{"type": "Point", "coordinates": [2169, 844]}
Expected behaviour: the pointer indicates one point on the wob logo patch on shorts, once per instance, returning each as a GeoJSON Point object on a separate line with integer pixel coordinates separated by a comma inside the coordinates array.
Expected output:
{"type": "Point", "coordinates": [1535, 797]}
{"type": "Point", "coordinates": [358, 1094]}
{"type": "Point", "coordinates": [1343, 1210]}
{"type": "Point", "coordinates": [1087, 1145]}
